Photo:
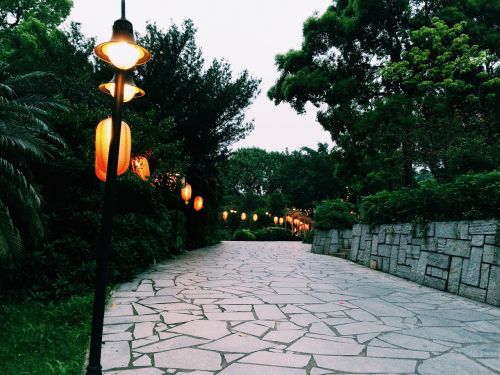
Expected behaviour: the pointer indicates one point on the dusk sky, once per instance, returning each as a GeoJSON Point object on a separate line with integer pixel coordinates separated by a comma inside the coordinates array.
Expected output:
{"type": "Point", "coordinates": [247, 34]}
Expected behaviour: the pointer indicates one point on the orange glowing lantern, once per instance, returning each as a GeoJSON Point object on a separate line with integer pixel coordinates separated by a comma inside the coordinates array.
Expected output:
{"type": "Point", "coordinates": [243, 216]}
{"type": "Point", "coordinates": [140, 167]}
{"type": "Point", "coordinates": [255, 217]}
{"type": "Point", "coordinates": [276, 219]}
{"type": "Point", "coordinates": [198, 203]}
{"type": "Point", "coordinates": [282, 221]}
{"type": "Point", "coordinates": [225, 215]}
{"type": "Point", "coordinates": [103, 137]}
{"type": "Point", "coordinates": [186, 193]}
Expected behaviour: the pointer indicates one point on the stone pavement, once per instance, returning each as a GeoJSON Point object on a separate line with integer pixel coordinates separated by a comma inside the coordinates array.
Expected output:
{"type": "Point", "coordinates": [255, 308]}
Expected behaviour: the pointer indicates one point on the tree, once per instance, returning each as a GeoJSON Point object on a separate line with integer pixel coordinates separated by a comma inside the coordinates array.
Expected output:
{"type": "Point", "coordinates": [52, 13]}
{"type": "Point", "coordinates": [26, 140]}
{"type": "Point", "coordinates": [339, 68]}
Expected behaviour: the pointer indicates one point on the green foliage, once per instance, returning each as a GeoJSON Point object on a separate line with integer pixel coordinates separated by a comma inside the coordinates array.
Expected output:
{"type": "Point", "coordinates": [400, 85]}
{"type": "Point", "coordinates": [243, 235]}
{"type": "Point", "coordinates": [309, 237]}
{"type": "Point", "coordinates": [15, 12]}
{"type": "Point", "coordinates": [274, 234]}
{"type": "Point", "coordinates": [334, 214]}
{"type": "Point", "coordinates": [45, 339]}
{"type": "Point", "coordinates": [468, 197]}
{"type": "Point", "coordinates": [26, 141]}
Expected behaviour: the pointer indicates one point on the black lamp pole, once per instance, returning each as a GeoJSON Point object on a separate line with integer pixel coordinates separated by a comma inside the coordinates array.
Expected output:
{"type": "Point", "coordinates": [104, 246]}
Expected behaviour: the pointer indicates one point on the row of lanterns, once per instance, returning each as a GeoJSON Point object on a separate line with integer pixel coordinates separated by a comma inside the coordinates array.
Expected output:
{"type": "Point", "coordinates": [140, 164]}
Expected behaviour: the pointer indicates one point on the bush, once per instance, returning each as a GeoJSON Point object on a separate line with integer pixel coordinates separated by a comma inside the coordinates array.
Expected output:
{"type": "Point", "coordinates": [334, 214]}
{"type": "Point", "coordinates": [469, 197]}
{"type": "Point", "coordinates": [243, 235]}
{"type": "Point", "coordinates": [309, 237]}
{"type": "Point", "coordinates": [274, 234]}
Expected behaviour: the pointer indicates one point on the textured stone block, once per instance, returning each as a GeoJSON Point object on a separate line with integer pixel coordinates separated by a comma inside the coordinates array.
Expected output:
{"type": "Point", "coordinates": [463, 230]}
{"type": "Point", "coordinates": [491, 240]}
{"type": "Point", "coordinates": [416, 241]}
{"type": "Point", "coordinates": [392, 238]}
{"type": "Point", "coordinates": [477, 240]}
{"type": "Point", "coordinates": [381, 234]}
{"type": "Point", "coordinates": [356, 230]}
{"type": "Point", "coordinates": [455, 274]}
{"type": "Point", "coordinates": [483, 227]}
{"type": "Point", "coordinates": [384, 250]}
{"type": "Point", "coordinates": [414, 251]}
{"type": "Point", "coordinates": [493, 294]}
{"type": "Point", "coordinates": [485, 275]}
{"type": "Point", "coordinates": [438, 260]}
{"type": "Point", "coordinates": [431, 229]}
{"type": "Point", "coordinates": [386, 264]}
{"type": "Point", "coordinates": [421, 267]}
{"type": "Point", "coordinates": [434, 282]}
{"type": "Point", "coordinates": [446, 230]}
{"type": "Point", "coordinates": [430, 244]}
{"type": "Point", "coordinates": [441, 245]}
{"type": "Point", "coordinates": [472, 272]}
{"type": "Point", "coordinates": [491, 254]}
{"type": "Point", "coordinates": [458, 248]}
{"type": "Point", "coordinates": [471, 292]}
{"type": "Point", "coordinates": [374, 247]}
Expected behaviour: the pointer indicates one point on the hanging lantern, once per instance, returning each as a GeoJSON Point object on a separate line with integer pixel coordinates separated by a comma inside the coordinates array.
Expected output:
{"type": "Point", "coordinates": [198, 203]}
{"type": "Point", "coordinates": [255, 217]}
{"type": "Point", "coordinates": [186, 193]}
{"type": "Point", "coordinates": [243, 216]}
{"type": "Point", "coordinates": [140, 167]}
{"type": "Point", "coordinates": [296, 222]}
{"type": "Point", "coordinates": [103, 136]}
{"type": "Point", "coordinates": [276, 219]}
{"type": "Point", "coordinates": [225, 215]}
{"type": "Point", "coordinates": [282, 221]}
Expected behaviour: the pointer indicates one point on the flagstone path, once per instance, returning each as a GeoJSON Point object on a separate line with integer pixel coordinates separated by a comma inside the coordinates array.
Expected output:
{"type": "Point", "coordinates": [250, 308]}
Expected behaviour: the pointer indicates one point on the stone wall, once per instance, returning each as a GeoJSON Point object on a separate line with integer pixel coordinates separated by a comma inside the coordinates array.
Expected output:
{"type": "Point", "coordinates": [458, 257]}
{"type": "Point", "coordinates": [331, 241]}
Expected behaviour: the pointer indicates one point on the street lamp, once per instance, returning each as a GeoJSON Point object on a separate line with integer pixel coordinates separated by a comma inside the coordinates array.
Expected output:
{"type": "Point", "coordinates": [124, 54]}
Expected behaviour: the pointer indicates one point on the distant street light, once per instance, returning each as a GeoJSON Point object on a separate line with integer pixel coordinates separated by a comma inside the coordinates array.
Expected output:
{"type": "Point", "coordinates": [124, 54]}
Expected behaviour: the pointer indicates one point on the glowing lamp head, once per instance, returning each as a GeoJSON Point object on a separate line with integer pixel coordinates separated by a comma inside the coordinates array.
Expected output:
{"type": "Point", "coordinates": [186, 193]}
{"type": "Point", "coordinates": [122, 51]}
{"type": "Point", "coordinates": [198, 203]}
{"type": "Point", "coordinates": [131, 91]}
{"type": "Point", "coordinates": [282, 221]}
{"type": "Point", "coordinates": [243, 216]}
{"type": "Point", "coordinates": [225, 215]}
{"type": "Point", "coordinates": [276, 219]}
{"type": "Point", "coordinates": [255, 217]}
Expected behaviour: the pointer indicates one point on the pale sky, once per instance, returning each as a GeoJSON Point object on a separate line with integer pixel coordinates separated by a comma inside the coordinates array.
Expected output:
{"type": "Point", "coordinates": [247, 34]}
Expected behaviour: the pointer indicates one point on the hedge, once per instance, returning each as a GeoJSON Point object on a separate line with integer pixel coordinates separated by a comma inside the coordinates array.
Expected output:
{"type": "Point", "coordinates": [334, 213]}
{"type": "Point", "coordinates": [469, 197]}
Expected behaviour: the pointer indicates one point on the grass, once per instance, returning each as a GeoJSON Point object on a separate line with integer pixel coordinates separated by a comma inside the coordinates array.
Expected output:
{"type": "Point", "coordinates": [48, 338]}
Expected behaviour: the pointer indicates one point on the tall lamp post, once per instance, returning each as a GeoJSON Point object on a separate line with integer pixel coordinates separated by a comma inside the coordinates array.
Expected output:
{"type": "Point", "coordinates": [124, 55]}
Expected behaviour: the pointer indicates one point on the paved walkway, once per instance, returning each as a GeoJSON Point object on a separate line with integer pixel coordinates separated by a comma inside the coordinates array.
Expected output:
{"type": "Point", "coordinates": [276, 309]}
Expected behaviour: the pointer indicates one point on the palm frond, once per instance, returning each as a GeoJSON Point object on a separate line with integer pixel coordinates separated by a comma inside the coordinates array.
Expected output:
{"type": "Point", "coordinates": [10, 240]}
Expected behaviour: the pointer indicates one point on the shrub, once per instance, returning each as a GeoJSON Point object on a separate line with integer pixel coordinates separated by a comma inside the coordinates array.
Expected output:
{"type": "Point", "coordinates": [309, 237]}
{"type": "Point", "coordinates": [243, 235]}
{"type": "Point", "coordinates": [274, 234]}
{"type": "Point", "coordinates": [334, 214]}
{"type": "Point", "coordinates": [469, 197]}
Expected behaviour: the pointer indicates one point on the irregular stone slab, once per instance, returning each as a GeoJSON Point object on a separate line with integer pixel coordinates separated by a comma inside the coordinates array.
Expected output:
{"type": "Point", "coordinates": [175, 306]}
{"type": "Point", "coordinates": [322, 329]}
{"type": "Point", "coordinates": [378, 307]}
{"type": "Point", "coordinates": [269, 312]}
{"type": "Point", "coordinates": [142, 330]}
{"type": "Point", "coordinates": [237, 308]}
{"type": "Point", "coordinates": [285, 336]}
{"type": "Point", "coordinates": [237, 343]}
{"type": "Point", "coordinates": [247, 369]}
{"type": "Point", "coordinates": [188, 358]}
{"type": "Point", "coordinates": [232, 357]}
{"type": "Point", "coordinates": [142, 371]}
{"type": "Point", "coordinates": [317, 346]}
{"type": "Point", "coordinates": [115, 354]}
{"type": "Point", "coordinates": [121, 336]}
{"type": "Point", "coordinates": [277, 359]}
{"type": "Point", "coordinates": [366, 364]}
{"type": "Point", "coordinates": [226, 316]}
{"type": "Point", "coordinates": [323, 307]}
{"type": "Point", "coordinates": [115, 328]}
{"type": "Point", "coordinates": [304, 319]}
{"type": "Point", "coordinates": [142, 361]}
{"type": "Point", "coordinates": [206, 329]}
{"type": "Point", "coordinates": [490, 350]}
{"type": "Point", "coordinates": [170, 344]}
{"type": "Point", "coordinates": [492, 363]}
{"type": "Point", "coordinates": [282, 299]}
{"type": "Point", "coordinates": [143, 310]}
{"type": "Point", "coordinates": [132, 294]}
{"type": "Point", "coordinates": [374, 351]}
{"type": "Point", "coordinates": [363, 327]}
{"type": "Point", "coordinates": [460, 315]}
{"type": "Point", "coordinates": [176, 318]}
{"type": "Point", "coordinates": [452, 334]}
{"type": "Point", "coordinates": [120, 310]}
{"type": "Point", "coordinates": [160, 299]}
{"type": "Point", "coordinates": [413, 343]}
{"type": "Point", "coordinates": [361, 315]}
{"type": "Point", "coordinates": [240, 301]}
{"type": "Point", "coordinates": [452, 363]}
{"type": "Point", "coordinates": [252, 329]}
{"type": "Point", "coordinates": [131, 319]}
